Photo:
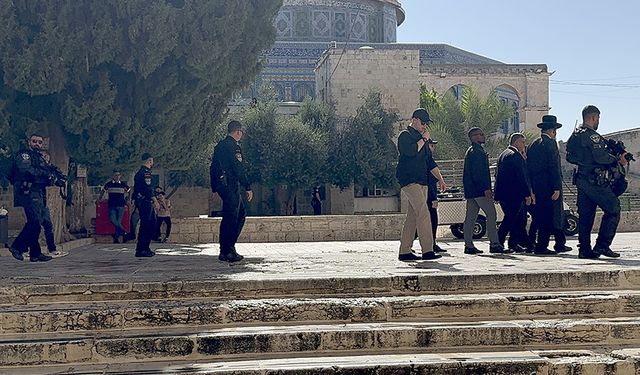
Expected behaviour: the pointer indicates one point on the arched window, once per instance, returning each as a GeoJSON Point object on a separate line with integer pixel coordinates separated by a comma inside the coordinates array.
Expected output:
{"type": "Point", "coordinates": [509, 96]}
{"type": "Point", "coordinates": [457, 91]}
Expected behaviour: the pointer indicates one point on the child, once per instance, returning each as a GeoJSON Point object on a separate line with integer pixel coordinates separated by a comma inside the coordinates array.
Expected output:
{"type": "Point", "coordinates": [163, 212]}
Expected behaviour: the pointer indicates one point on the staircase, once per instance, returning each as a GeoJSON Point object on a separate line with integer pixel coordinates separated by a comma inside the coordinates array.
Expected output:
{"type": "Point", "coordinates": [528, 323]}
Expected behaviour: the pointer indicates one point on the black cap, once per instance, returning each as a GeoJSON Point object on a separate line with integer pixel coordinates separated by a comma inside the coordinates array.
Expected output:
{"type": "Point", "coordinates": [549, 122]}
{"type": "Point", "coordinates": [422, 115]}
{"type": "Point", "coordinates": [146, 156]}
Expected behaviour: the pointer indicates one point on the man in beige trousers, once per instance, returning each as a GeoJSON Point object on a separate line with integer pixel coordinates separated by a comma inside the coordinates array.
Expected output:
{"type": "Point", "coordinates": [414, 165]}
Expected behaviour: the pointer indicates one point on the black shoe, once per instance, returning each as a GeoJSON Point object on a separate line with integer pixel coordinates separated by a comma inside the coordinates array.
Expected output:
{"type": "Point", "coordinates": [544, 252]}
{"type": "Point", "coordinates": [115, 239]}
{"type": "Point", "coordinates": [499, 249]}
{"type": "Point", "coordinates": [472, 250]}
{"type": "Point", "coordinates": [40, 258]}
{"type": "Point", "coordinates": [562, 249]}
{"type": "Point", "coordinates": [531, 248]}
{"type": "Point", "coordinates": [518, 249]}
{"type": "Point", "coordinates": [16, 254]}
{"type": "Point", "coordinates": [230, 257]}
{"type": "Point", "coordinates": [145, 254]}
{"type": "Point", "coordinates": [430, 255]}
{"type": "Point", "coordinates": [606, 252]}
{"type": "Point", "coordinates": [409, 257]}
{"type": "Point", "coordinates": [124, 239]}
{"type": "Point", "coordinates": [589, 254]}
{"type": "Point", "coordinates": [438, 249]}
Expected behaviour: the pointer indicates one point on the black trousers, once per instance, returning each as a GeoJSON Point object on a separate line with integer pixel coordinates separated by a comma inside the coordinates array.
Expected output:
{"type": "Point", "coordinates": [433, 213]}
{"type": "Point", "coordinates": [233, 217]}
{"type": "Point", "coordinates": [590, 197]}
{"type": "Point", "coordinates": [317, 207]}
{"type": "Point", "coordinates": [549, 218]}
{"type": "Point", "coordinates": [159, 221]}
{"type": "Point", "coordinates": [514, 223]}
{"type": "Point", "coordinates": [147, 225]}
{"type": "Point", "coordinates": [33, 205]}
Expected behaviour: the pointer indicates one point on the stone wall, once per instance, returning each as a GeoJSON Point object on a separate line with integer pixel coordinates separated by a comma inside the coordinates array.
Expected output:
{"type": "Point", "coordinates": [294, 228]}
{"type": "Point", "coordinates": [530, 83]}
{"type": "Point", "coordinates": [324, 228]}
{"type": "Point", "coordinates": [344, 77]}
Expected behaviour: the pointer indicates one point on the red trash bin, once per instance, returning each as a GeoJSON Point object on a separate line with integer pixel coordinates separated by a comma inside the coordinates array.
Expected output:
{"type": "Point", "coordinates": [103, 223]}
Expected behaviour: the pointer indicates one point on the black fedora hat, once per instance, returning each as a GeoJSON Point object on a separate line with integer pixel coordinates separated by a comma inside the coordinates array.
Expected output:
{"type": "Point", "coordinates": [549, 122]}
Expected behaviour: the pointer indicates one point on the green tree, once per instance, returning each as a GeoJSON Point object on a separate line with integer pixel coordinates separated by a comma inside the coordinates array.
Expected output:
{"type": "Point", "coordinates": [364, 153]}
{"type": "Point", "coordinates": [453, 118]}
{"type": "Point", "coordinates": [283, 153]}
{"type": "Point", "coordinates": [109, 80]}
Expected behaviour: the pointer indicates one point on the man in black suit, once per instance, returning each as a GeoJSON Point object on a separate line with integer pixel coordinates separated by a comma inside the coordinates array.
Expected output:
{"type": "Point", "coordinates": [543, 165]}
{"type": "Point", "coordinates": [513, 192]}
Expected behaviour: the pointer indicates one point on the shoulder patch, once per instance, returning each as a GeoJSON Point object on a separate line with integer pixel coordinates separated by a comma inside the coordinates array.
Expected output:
{"type": "Point", "coordinates": [239, 156]}
{"type": "Point", "coordinates": [595, 138]}
{"type": "Point", "coordinates": [25, 156]}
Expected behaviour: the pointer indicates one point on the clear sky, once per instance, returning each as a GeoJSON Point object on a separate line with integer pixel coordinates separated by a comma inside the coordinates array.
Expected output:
{"type": "Point", "coordinates": [592, 45]}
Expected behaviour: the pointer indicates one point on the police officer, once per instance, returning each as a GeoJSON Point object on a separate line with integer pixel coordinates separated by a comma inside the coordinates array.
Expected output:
{"type": "Point", "coordinates": [30, 177]}
{"type": "Point", "coordinates": [227, 174]}
{"type": "Point", "coordinates": [545, 175]}
{"type": "Point", "coordinates": [588, 150]}
{"type": "Point", "coordinates": [145, 204]}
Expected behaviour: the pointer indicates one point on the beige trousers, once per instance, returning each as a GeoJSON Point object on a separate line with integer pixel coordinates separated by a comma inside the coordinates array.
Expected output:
{"type": "Point", "coordinates": [417, 218]}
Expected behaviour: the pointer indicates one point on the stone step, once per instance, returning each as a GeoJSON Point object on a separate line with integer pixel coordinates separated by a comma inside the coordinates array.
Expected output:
{"type": "Point", "coordinates": [584, 362]}
{"type": "Point", "coordinates": [266, 342]}
{"type": "Point", "coordinates": [316, 287]}
{"type": "Point", "coordinates": [122, 315]}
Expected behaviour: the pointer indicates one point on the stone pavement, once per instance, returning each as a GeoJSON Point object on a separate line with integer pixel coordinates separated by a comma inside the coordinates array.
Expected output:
{"type": "Point", "coordinates": [110, 263]}
{"type": "Point", "coordinates": [320, 308]}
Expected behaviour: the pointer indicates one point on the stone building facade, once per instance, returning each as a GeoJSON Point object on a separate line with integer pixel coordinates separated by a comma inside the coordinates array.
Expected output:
{"type": "Point", "coordinates": [346, 73]}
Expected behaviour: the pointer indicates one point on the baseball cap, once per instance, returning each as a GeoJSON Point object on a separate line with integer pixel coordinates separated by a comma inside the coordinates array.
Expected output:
{"type": "Point", "coordinates": [422, 115]}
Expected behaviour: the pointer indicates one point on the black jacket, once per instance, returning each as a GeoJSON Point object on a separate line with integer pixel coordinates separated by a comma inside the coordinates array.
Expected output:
{"type": "Point", "coordinates": [413, 166]}
{"type": "Point", "coordinates": [226, 169]}
{"type": "Point", "coordinates": [142, 191]}
{"type": "Point", "coordinates": [543, 165]}
{"type": "Point", "coordinates": [512, 181]}
{"type": "Point", "coordinates": [476, 178]}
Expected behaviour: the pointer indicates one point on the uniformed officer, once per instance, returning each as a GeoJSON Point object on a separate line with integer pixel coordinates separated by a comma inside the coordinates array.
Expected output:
{"type": "Point", "coordinates": [227, 174]}
{"type": "Point", "coordinates": [545, 175]}
{"type": "Point", "coordinates": [145, 204]}
{"type": "Point", "coordinates": [30, 177]}
{"type": "Point", "coordinates": [588, 150]}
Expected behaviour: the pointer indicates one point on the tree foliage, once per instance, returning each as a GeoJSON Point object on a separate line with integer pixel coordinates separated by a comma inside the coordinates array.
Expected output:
{"type": "Point", "coordinates": [122, 77]}
{"type": "Point", "coordinates": [452, 119]}
{"type": "Point", "coordinates": [283, 152]}
{"type": "Point", "coordinates": [364, 153]}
